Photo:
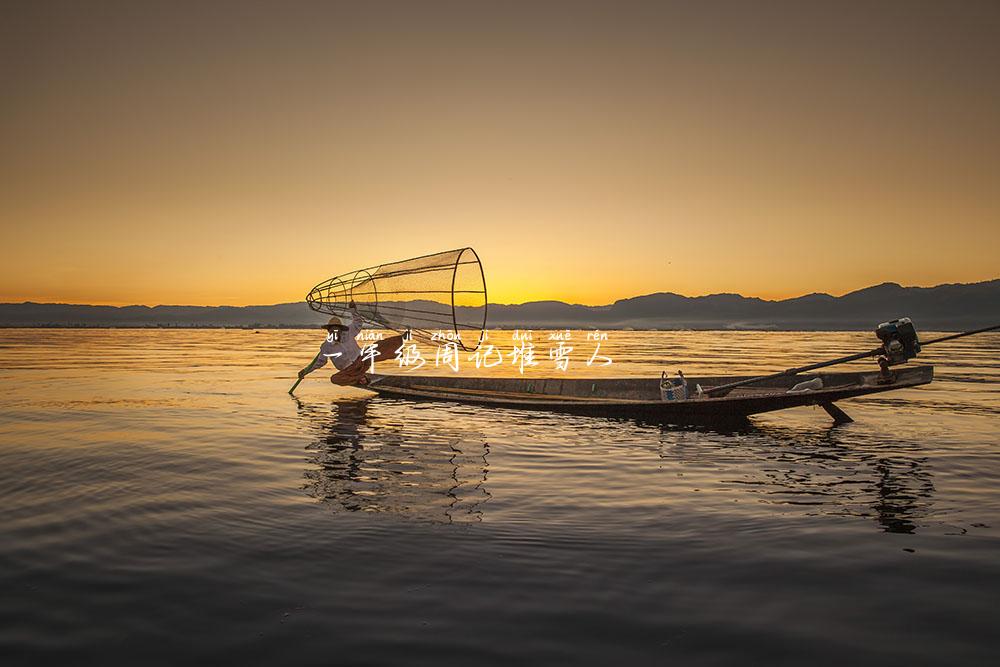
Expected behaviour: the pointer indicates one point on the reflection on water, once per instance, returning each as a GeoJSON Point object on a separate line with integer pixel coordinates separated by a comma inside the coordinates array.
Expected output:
{"type": "Point", "coordinates": [830, 472]}
{"type": "Point", "coordinates": [364, 463]}
{"type": "Point", "coordinates": [157, 509]}
{"type": "Point", "coordinates": [431, 461]}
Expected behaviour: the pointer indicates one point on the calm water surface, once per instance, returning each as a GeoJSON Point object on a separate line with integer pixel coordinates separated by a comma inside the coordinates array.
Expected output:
{"type": "Point", "coordinates": [163, 500]}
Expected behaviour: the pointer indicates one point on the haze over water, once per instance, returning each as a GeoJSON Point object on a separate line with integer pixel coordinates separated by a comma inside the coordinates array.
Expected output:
{"type": "Point", "coordinates": [165, 501]}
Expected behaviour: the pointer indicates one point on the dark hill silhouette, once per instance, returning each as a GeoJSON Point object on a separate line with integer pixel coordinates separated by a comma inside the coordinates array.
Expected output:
{"type": "Point", "coordinates": [945, 307]}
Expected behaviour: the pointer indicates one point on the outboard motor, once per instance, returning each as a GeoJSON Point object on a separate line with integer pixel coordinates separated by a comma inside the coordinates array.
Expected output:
{"type": "Point", "coordinates": [899, 341]}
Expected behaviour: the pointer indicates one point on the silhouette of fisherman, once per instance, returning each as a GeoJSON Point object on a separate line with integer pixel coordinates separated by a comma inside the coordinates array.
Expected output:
{"type": "Point", "coordinates": [343, 351]}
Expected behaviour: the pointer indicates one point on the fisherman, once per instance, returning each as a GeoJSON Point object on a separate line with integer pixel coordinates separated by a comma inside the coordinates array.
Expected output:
{"type": "Point", "coordinates": [341, 348]}
{"type": "Point", "coordinates": [343, 351]}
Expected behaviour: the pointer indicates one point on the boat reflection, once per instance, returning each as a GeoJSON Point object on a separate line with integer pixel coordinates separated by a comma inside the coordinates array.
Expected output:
{"type": "Point", "coordinates": [380, 456]}
{"type": "Point", "coordinates": [836, 471]}
{"type": "Point", "coordinates": [431, 461]}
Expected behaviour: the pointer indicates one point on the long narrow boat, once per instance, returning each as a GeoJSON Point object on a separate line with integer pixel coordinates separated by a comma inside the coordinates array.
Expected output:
{"type": "Point", "coordinates": [640, 397]}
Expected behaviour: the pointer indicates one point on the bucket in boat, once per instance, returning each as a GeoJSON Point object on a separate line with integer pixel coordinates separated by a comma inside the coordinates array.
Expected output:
{"type": "Point", "coordinates": [672, 389]}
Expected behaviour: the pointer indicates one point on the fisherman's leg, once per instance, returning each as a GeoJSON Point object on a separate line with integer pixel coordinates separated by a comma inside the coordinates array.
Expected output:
{"type": "Point", "coordinates": [387, 348]}
{"type": "Point", "coordinates": [352, 375]}
{"type": "Point", "coordinates": [355, 373]}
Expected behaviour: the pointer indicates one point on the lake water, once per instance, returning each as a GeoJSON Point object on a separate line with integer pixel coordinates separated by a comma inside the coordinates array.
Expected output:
{"type": "Point", "coordinates": [163, 500]}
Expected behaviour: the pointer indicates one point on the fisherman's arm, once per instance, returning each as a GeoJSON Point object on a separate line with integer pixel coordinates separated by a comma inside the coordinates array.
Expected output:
{"type": "Point", "coordinates": [316, 364]}
{"type": "Point", "coordinates": [354, 328]}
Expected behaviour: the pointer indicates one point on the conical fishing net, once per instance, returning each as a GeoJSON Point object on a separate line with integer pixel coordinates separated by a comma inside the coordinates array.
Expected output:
{"type": "Point", "coordinates": [438, 298]}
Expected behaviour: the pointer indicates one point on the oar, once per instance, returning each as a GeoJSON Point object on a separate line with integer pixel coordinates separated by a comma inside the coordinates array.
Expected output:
{"type": "Point", "coordinates": [724, 389]}
{"type": "Point", "coordinates": [959, 335]}
{"type": "Point", "coordinates": [300, 379]}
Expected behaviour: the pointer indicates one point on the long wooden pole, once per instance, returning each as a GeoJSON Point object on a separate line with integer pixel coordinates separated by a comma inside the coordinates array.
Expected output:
{"type": "Point", "coordinates": [292, 390]}
{"type": "Point", "coordinates": [724, 389]}
{"type": "Point", "coordinates": [959, 335]}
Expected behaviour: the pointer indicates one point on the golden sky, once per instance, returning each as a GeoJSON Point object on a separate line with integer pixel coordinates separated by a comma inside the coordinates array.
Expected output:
{"type": "Point", "coordinates": [239, 153]}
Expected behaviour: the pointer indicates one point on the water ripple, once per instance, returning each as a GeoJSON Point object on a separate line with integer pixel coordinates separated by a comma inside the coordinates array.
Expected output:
{"type": "Point", "coordinates": [165, 501]}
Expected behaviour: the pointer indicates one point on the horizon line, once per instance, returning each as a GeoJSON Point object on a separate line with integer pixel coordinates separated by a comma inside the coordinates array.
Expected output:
{"type": "Point", "coordinates": [523, 303]}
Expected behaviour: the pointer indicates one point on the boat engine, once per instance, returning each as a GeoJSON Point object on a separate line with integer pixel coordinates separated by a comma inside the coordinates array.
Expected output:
{"type": "Point", "coordinates": [899, 341]}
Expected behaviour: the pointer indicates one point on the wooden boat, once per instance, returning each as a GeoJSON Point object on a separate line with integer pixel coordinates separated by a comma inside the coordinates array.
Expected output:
{"type": "Point", "coordinates": [640, 397]}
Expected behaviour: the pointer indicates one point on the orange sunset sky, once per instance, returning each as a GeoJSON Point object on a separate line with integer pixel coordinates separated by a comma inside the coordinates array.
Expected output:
{"type": "Point", "coordinates": [241, 152]}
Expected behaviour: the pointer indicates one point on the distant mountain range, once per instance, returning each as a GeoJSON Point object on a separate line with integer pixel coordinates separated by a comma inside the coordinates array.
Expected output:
{"type": "Point", "coordinates": [945, 307]}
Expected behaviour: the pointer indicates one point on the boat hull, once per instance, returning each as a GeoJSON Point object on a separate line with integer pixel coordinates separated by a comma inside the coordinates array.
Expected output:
{"type": "Point", "coordinates": [630, 397]}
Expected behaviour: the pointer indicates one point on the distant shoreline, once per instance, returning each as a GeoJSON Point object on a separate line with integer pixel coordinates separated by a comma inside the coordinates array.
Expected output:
{"type": "Point", "coordinates": [953, 307]}
{"type": "Point", "coordinates": [311, 327]}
